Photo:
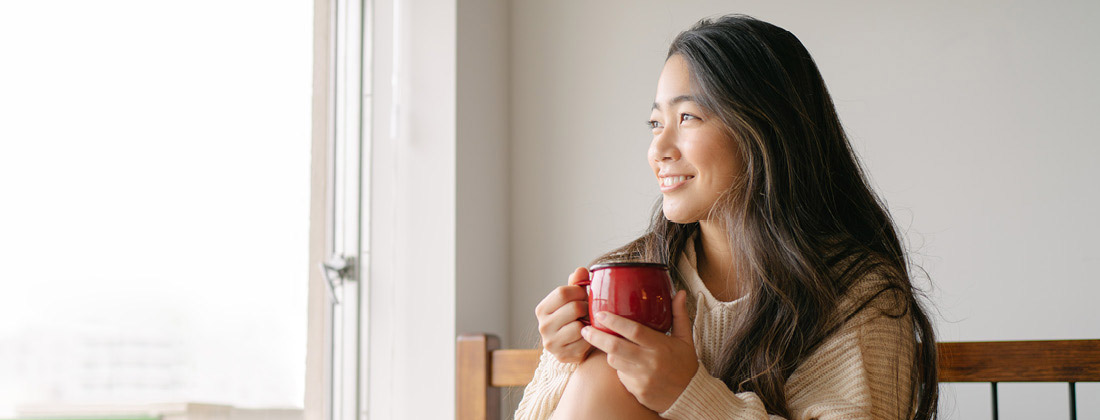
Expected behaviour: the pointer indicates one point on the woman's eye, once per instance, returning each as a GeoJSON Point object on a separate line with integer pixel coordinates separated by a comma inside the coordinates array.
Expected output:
{"type": "Point", "coordinates": [685, 117]}
{"type": "Point", "coordinates": [653, 124]}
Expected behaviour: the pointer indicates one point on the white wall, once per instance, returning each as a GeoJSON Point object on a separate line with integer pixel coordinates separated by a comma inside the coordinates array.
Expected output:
{"type": "Point", "coordinates": [439, 196]}
{"type": "Point", "coordinates": [411, 297]}
{"type": "Point", "coordinates": [482, 165]}
{"type": "Point", "coordinates": [483, 198]}
{"type": "Point", "coordinates": [974, 121]}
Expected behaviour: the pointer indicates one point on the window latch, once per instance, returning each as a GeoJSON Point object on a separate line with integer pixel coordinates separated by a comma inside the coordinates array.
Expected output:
{"type": "Point", "coordinates": [336, 271]}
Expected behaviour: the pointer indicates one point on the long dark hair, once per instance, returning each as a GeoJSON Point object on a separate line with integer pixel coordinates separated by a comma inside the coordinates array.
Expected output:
{"type": "Point", "coordinates": [801, 209]}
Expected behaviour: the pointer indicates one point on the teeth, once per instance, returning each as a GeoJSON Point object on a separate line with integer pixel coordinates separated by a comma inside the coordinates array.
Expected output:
{"type": "Point", "coordinates": [672, 180]}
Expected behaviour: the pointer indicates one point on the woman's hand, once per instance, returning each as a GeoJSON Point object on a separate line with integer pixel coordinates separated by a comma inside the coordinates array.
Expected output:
{"type": "Point", "coordinates": [558, 315]}
{"type": "Point", "coordinates": [654, 367]}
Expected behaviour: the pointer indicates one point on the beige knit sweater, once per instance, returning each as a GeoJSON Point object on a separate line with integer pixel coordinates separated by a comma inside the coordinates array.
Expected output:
{"type": "Point", "coordinates": [860, 372]}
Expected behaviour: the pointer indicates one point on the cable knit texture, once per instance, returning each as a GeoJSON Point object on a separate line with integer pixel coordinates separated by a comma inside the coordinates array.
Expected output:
{"type": "Point", "coordinates": [859, 372]}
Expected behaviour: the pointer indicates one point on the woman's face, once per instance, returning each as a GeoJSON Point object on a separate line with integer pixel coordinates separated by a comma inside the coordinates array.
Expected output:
{"type": "Point", "coordinates": [694, 161]}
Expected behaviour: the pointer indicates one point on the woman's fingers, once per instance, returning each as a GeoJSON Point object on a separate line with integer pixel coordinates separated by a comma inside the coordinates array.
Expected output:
{"type": "Point", "coordinates": [568, 345]}
{"type": "Point", "coordinates": [579, 275]}
{"type": "Point", "coordinates": [681, 323]}
{"type": "Point", "coordinates": [621, 353]}
{"type": "Point", "coordinates": [565, 333]}
{"type": "Point", "coordinates": [558, 315]}
{"type": "Point", "coordinates": [568, 313]}
{"type": "Point", "coordinates": [631, 330]}
{"type": "Point", "coordinates": [558, 297]}
{"type": "Point", "coordinates": [576, 351]}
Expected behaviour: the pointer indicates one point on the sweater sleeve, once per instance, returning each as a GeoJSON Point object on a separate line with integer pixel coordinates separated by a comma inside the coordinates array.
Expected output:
{"type": "Point", "coordinates": [858, 373]}
{"type": "Point", "coordinates": [541, 395]}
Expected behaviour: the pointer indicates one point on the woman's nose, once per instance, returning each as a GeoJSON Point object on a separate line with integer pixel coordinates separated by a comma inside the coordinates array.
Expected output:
{"type": "Point", "coordinates": [664, 147]}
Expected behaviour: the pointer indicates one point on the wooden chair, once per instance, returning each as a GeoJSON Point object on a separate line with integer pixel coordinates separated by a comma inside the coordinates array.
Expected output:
{"type": "Point", "coordinates": [1068, 361]}
{"type": "Point", "coordinates": [483, 368]}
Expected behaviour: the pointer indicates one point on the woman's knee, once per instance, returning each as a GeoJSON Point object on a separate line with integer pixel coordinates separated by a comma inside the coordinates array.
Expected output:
{"type": "Point", "coordinates": [595, 392]}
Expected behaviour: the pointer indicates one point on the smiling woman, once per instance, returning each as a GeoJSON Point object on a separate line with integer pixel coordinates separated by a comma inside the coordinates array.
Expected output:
{"type": "Point", "coordinates": [795, 298]}
{"type": "Point", "coordinates": [692, 154]}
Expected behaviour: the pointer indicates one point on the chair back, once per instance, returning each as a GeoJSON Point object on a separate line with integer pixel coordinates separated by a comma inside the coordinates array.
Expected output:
{"type": "Point", "coordinates": [484, 368]}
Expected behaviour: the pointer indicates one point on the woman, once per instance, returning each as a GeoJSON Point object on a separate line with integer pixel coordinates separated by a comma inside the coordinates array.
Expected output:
{"type": "Point", "coordinates": [794, 299]}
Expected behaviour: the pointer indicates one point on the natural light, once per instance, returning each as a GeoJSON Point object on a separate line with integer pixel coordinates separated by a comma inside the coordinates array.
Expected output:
{"type": "Point", "coordinates": [154, 175]}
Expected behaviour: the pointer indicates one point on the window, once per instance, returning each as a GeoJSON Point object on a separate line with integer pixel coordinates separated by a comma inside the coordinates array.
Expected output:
{"type": "Point", "coordinates": [155, 180]}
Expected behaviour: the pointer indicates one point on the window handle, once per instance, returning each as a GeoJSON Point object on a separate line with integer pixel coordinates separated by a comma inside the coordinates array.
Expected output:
{"type": "Point", "coordinates": [336, 271]}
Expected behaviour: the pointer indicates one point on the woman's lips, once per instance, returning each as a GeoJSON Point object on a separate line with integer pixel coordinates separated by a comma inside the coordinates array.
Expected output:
{"type": "Point", "coordinates": [670, 183]}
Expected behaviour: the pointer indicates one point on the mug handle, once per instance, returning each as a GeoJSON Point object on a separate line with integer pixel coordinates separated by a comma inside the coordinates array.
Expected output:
{"type": "Point", "coordinates": [585, 283]}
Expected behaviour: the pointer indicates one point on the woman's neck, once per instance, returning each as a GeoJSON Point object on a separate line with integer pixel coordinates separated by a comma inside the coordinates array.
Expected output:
{"type": "Point", "coordinates": [714, 261]}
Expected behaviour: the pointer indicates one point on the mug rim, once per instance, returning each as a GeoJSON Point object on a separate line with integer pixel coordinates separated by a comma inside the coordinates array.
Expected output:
{"type": "Point", "coordinates": [602, 266]}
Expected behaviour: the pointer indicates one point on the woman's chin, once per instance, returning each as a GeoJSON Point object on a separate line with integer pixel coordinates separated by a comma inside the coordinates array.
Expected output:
{"type": "Point", "coordinates": [680, 217]}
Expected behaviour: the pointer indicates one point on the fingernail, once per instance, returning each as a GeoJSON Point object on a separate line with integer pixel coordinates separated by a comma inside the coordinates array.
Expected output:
{"type": "Point", "coordinates": [601, 316]}
{"type": "Point", "coordinates": [584, 331]}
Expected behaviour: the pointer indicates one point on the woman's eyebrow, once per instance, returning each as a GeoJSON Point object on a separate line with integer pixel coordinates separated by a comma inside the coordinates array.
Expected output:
{"type": "Point", "coordinates": [676, 100]}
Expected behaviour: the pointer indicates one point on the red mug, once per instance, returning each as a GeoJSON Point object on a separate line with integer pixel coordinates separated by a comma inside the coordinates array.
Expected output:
{"type": "Point", "coordinates": [639, 291]}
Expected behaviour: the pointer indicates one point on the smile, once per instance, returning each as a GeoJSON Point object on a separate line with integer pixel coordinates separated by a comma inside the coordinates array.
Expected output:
{"type": "Point", "coordinates": [670, 183]}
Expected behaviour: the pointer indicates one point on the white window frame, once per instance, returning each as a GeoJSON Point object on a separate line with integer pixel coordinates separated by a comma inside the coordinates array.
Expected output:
{"type": "Point", "coordinates": [335, 366]}
{"type": "Point", "coordinates": [391, 353]}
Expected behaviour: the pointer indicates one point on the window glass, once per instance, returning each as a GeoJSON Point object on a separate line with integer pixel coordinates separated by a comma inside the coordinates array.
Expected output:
{"type": "Point", "coordinates": [154, 181]}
